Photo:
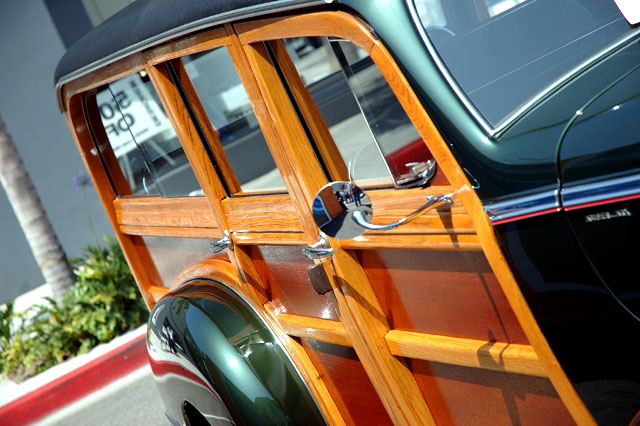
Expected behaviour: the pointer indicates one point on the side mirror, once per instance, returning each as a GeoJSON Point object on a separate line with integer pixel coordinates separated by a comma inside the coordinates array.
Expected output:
{"type": "Point", "coordinates": [343, 210]}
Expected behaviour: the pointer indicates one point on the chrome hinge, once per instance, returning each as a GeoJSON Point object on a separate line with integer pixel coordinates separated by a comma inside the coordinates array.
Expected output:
{"type": "Point", "coordinates": [319, 250]}
{"type": "Point", "coordinates": [222, 243]}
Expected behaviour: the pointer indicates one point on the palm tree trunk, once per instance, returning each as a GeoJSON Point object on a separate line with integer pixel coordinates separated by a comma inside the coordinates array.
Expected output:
{"type": "Point", "coordinates": [33, 219]}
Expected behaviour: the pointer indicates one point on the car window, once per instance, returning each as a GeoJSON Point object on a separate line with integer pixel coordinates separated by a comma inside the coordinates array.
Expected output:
{"type": "Point", "coordinates": [375, 137]}
{"type": "Point", "coordinates": [229, 110]}
{"type": "Point", "coordinates": [143, 139]}
{"type": "Point", "coordinates": [502, 53]}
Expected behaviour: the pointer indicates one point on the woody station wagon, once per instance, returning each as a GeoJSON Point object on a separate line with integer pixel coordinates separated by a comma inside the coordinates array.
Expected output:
{"type": "Point", "coordinates": [372, 212]}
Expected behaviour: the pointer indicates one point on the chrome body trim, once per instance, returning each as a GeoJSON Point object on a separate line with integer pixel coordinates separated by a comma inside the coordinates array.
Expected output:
{"type": "Point", "coordinates": [519, 207]}
{"type": "Point", "coordinates": [600, 192]}
{"type": "Point", "coordinates": [507, 122]}
{"type": "Point", "coordinates": [219, 19]}
{"type": "Point", "coordinates": [569, 198]}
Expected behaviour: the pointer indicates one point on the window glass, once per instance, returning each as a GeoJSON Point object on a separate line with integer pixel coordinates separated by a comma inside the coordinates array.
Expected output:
{"type": "Point", "coordinates": [502, 53]}
{"type": "Point", "coordinates": [172, 255]}
{"type": "Point", "coordinates": [227, 105]}
{"type": "Point", "coordinates": [143, 140]}
{"type": "Point", "coordinates": [376, 139]}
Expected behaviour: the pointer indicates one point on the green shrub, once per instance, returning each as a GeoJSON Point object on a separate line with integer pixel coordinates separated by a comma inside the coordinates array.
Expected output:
{"type": "Point", "coordinates": [103, 303]}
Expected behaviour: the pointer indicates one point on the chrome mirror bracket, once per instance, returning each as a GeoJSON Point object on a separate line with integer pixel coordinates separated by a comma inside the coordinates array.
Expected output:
{"type": "Point", "coordinates": [319, 250]}
{"type": "Point", "coordinates": [343, 211]}
{"type": "Point", "coordinates": [420, 175]}
{"type": "Point", "coordinates": [433, 201]}
{"type": "Point", "coordinates": [223, 243]}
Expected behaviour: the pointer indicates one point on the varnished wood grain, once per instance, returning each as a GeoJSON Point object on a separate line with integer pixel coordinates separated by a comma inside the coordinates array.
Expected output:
{"type": "Point", "coordinates": [487, 355]}
{"type": "Point", "coordinates": [210, 134]}
{"type": "Point", "coordinates": [482, 354]}
{"type": "Point", "coordinates": [99, 77]}
{"type": "Point", "coordinates": [191, 212]}
{"type": "Point", "coordinates": [476, 397]}
{"type": "Point", "coordinates": [442, 292]}
{"type": "Point", "coordinates": [336, 24]}
{"type": "Point", "coordinates": [322, 330]}
{"type": "Point", "coordinates": [179, 231]}
{"type": "Point", "coordinates": [157, 292]}
{"type": "Point", "coordinates": [321, 135]}
{"type": "Point", "coordinates": [204, 170]}
{"type": "Point", "coordinates": [348, 383]}
{"type": "Point", "coordinates": [490, 246]}
{"type": "Point", "coordinates": [456, 395]}
{"type": "Point", "coordinates": [137, 256]}
{"type": "Point", "coordinates": [358, 307]}
{"type": "Point", "coordinates": [188, 45]}
{"type": "Point", "coordinates": [266, 213]}
{"type": "Point", "coordinates": [102, 147]}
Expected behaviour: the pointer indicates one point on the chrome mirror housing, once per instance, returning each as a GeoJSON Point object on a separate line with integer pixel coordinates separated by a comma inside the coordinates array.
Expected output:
{"type": "Point", "coordinates": [342, 210]}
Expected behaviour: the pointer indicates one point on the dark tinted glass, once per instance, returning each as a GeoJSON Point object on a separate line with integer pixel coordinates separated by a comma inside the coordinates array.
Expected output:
{"type": "Point", "coordinates": [143, 139]}
{"type": "Point", "coordinates": [503, 52]}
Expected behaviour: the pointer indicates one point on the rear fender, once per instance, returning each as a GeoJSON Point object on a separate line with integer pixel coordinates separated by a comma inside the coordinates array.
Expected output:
{"type": "Point", "coordinates": [210, 348]}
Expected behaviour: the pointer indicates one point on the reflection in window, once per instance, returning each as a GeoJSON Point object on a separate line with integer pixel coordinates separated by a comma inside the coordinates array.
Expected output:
{"type": "Point", "coordinates": [503, 53]}
{"type": "Point", "coordinates": [229, 110]}
{"type": "Point", "coordinates": [496, 7]}
{"type": "Point", "coordinates": [431, 13]}
{"type": "Point", "coordinates": [143, 139]}
{"type": "Point", "coordinates": [376, 139]}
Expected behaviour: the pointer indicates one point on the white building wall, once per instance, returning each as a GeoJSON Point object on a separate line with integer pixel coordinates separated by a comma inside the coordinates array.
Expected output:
{"type": "Point", "coordinates": [30, 49]}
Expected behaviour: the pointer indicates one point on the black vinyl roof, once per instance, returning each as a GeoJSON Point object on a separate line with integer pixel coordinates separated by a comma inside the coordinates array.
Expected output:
{"type": "Point", "coordinates": [145, 22]}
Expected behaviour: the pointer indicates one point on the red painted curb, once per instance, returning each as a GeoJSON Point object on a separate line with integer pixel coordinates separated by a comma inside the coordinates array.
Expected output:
{"type": "Point", "coordinates": [78, 383]}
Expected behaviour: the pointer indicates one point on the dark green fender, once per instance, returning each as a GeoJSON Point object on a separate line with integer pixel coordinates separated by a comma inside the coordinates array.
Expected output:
{"type": "Point", "coordinates": [213, 358]}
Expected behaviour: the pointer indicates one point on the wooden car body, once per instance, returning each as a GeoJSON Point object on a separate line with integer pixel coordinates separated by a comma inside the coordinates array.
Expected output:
{"type": "Point", "coordinates": [208, 130]}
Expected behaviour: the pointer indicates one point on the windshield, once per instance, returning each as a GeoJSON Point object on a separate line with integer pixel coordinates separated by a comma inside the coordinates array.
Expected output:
{"type": "Point", "coordinates": [503, 52]}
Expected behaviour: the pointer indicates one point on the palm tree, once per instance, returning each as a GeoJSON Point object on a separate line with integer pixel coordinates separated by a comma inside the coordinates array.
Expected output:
{"type": "Point", "coordinates": [35, 224]}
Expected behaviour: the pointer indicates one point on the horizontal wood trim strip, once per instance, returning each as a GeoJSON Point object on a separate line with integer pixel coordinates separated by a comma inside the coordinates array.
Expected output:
{"type": "Point", "coordinates": [261, 213]}
{"type": "Point", "coordinates": [420, 241]}
{"type": "Point", "coordinates": [188, 212]}
{"type": "Point", "coordinates": [270, 238]}
{"type": "Point", "coordinates": [161, 231]}
{"type": "Point", "coordinates": [318, 24]}
{"type": "Point", "coordinates": [495, 356]}
{"type": "Point", "coordinates": [188, 46]}
{"type": "Point", "coordinates": [323, 330]}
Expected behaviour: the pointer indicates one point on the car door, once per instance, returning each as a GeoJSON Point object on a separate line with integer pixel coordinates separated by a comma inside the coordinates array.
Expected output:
{"type": "Point", "coordinates": [599, 160]}
{"type": "Point", "coordinates": [410, 322]}
{"type": "Point", "coordinates": [440, 275]}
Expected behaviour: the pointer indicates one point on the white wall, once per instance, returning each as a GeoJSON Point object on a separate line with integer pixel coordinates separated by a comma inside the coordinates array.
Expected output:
{"type": "Point", "coordinates": [30, 49]}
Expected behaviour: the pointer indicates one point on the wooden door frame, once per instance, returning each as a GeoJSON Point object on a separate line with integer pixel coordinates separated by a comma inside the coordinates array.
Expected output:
{"type": "Point", "coordinates": [389, 374]}
{"type": "Point", "coordinates": [355, 293]}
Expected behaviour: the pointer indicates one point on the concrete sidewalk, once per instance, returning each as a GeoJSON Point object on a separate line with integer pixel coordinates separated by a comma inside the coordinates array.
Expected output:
{"type": "Point", "coordinates": [26, 402]}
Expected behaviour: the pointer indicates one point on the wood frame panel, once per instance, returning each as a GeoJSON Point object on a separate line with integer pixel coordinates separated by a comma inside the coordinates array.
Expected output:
{"type": "Point", "coordinates": [363, 323]}
{"type": "Point", "coordinates": [143, 270]}
{"type": "Point", "coordinates": [355, 293]}
{"type": "Point", "coordinates": [359, 309]}
{"type": "Point", "coordinates": [483, 354]}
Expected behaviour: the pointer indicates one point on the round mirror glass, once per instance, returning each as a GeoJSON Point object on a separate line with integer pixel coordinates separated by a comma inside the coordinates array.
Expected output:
{"type": "Point", "coordinates": [333, 209]}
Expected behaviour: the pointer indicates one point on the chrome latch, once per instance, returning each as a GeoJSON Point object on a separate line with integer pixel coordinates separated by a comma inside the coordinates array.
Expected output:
{"type": "Point", "coordinates": [222, 243]}
{"type": "Point", "coordinates": [319, 250]}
